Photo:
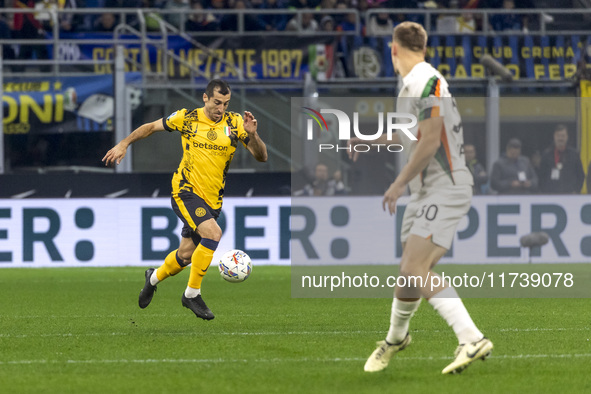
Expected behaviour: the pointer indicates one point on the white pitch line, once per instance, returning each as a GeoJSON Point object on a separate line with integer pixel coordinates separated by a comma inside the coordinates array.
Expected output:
{"type": "Point", "coordinates": [274, 333]}
{"type": "Point", "coordinates": [65, 335]}
{"type": "Point", "coordinates": [130, 316]}
{"type": "Point", "coordinates": [91, 316]}
{"type": "Point", "coordinates": [270, 333]}
{"type": "Point", "coordinates": [275, 360]}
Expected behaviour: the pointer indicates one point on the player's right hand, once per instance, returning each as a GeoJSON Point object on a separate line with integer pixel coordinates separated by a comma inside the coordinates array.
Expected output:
{"type": "Point", "coordinates": [114, 155]}
{"type": "Point", "coordinates": [394, 192]}
{"type": "Point", "coordinates": [353, 155]}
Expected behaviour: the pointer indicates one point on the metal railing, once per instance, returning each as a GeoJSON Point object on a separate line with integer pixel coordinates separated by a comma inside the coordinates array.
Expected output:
{"type": "Point", "coordinates": [118, 61]}
{"type": "Point", "coordinates": [543, 16]}
{"type": "Point", "coordinates": [143, 36]}
{"type": "Point", "coordinates": [139, 34]}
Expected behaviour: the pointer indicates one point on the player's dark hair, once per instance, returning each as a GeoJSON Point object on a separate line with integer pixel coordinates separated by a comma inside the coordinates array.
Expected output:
{"type": "Point", "coordinates": [561, 127]}
{"type": "Point", "coordinates": [214, 84]}
{"type": "Point", "coordinates": [410, 35]}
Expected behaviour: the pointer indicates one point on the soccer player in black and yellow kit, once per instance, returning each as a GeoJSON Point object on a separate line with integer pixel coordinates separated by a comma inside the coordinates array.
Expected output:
{"type": "Point", "coordinates": [209, 139]}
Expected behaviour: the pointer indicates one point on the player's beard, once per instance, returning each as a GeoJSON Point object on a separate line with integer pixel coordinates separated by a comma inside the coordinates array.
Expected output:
{"type": "Point", "coordinates": [214, 116]}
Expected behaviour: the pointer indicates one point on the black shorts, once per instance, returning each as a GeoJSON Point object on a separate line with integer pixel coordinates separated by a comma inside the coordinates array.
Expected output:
{"type": "Point", "coordinates": [193, 211]}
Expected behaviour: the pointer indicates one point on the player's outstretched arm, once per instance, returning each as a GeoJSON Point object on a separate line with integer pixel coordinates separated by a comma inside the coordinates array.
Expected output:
{"type": "Point", "coordinates": [255, 146]}
{"type": "Point", "coordinates": [424, 152]}
{"type": "Point", "coordinates": [117, 153]}
{"type": "Point", "coordinates": [381, 140]}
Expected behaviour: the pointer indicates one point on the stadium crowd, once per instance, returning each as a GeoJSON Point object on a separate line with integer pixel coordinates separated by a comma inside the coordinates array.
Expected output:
{"type": "Point", "coordinates": [31, 25]}
{"type": "Point", "coordinates": [555, 170]}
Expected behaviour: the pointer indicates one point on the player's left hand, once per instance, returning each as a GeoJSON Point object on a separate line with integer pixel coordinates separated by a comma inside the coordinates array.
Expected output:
{"type": "Point", "coordinates": [250, 123]}
{"type": "Point", "coordinates": [391, 196]}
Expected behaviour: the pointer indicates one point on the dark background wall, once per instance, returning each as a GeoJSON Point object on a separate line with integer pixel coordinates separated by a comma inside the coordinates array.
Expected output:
{"type": "Point", "coordinates": [59, 185]}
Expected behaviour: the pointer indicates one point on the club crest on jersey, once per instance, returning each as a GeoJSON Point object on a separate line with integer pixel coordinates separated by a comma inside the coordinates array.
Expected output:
{"type": "Point", "coordinates": [200, 212]}
{"type": "Point", "coordinates": [212, 135]}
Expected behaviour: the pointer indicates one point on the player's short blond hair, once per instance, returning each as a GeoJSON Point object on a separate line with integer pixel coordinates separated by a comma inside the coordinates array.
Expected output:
{"type": "Point", "coordinates": [410, 35]}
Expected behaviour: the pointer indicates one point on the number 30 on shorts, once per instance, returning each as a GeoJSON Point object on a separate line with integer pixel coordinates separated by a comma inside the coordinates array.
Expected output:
{"type": "Point", "coordinates": [430, 212]}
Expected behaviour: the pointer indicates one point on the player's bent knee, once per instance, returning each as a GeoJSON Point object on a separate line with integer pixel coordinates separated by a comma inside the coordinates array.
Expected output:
{"type": "Point", "coordinates": [186, 251]}
{"type": "Point", "coordinates": [210, 230]}
{"type": "Point", "coordinates": [409, 274]}
{"type": "Point", "coordinates": [410, 267]}
{"type": "Point", "coordinates": [186, 256]}
{"type": "Point", "coordinates": [215, 234]}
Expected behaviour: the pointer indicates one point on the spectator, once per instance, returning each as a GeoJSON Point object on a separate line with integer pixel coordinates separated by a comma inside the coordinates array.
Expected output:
{"type": "Point", "coordinates": [522, 19]}
{"type": "Point", "coordinates": [451, 24]}
{"type": "Point", "coordinates": [309, 24]}
{"type": "Point", "coordinates": [513, 173]}
{"type": "Point", "coordinates": [201, 22]}
{"type": "Point", "coordinates": [275, 21]}
{"type": "Point", "coordinates": [6, 22]}
{"type": "Point", "coordinates": [70, 22]}
{"type": "Point", "coordinates": [130, 19]}
{"type": "Point", "coordinates": [466, 23]}
{"type": "Point", "coordinates": [500, 22]}
{"type": "Point", "coordinates": [362, 7]}
{"type": "Point", "coordinates": [67, 22]}
{"type": "Point", "coordinates": [299, 4]}
{"type": "Point", "coordinates": [175, 5]}
{"type": "Point", "coordinates": [321, 185]}
{"type": "Point", "coordinates": [561, 170]}
{"type": "Point", "coordinates": [26, 26]}
{"type": "Point", "coordinates": [478, 172]}
{"type": "Point", "coordinates": [106, 22]}
{"type": "Point", "coordinates": [123, 3]}
{"type": "Point", "coordinates": [340, 188]}
{"type": "Point", "coordinates": [218, 5]}
{"type": "Point", "coordinates": [380, 25]}
{"type": "Point", "coordinates": [349, 22]}
{"type": "Point", "coordinates": [328, 4]}
{"type": "Point", "coordinates": [327, 23]}
{"type": "Point", "coordinates": [536, 162]}
{"type": "Point", "coordinates": [251, 22]}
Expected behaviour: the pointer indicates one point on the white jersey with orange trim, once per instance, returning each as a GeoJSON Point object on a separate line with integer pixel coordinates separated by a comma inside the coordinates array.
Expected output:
{"type": "Point", "coordinates": [425, 94]}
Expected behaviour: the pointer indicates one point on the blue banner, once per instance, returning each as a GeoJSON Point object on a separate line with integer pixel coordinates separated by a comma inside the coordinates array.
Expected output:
{"type": "Point", "coordinates": [458, 56]}
{"type": "Point", "coordinates": [61, 104]}
{"type": "Point", "coordinates": [275, 57]}
{"type": "Point", "coordinates": [270, 57]}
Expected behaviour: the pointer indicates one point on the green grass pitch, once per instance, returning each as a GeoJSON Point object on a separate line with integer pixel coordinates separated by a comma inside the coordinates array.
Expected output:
{"type": "Point", "coordinates": [80, 331]}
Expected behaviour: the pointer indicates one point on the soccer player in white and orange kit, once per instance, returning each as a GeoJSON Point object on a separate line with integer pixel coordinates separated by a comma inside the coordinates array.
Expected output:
{"type": "Point", "coordinates": [441, 193]}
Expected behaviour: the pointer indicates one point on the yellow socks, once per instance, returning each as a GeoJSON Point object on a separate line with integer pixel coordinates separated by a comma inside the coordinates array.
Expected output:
{"type": "Point", "coordinates": [200, 262]}
{"type": "Point", "coordinates": [172, 266]}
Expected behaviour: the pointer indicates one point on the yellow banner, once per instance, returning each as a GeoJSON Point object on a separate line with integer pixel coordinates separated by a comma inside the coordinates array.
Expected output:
{"type": "Point", "coordinates": [586, 127]}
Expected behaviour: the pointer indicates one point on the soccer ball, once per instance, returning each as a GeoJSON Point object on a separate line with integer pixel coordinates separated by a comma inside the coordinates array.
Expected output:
{"type": "Point", "coordinates": [235, 266]}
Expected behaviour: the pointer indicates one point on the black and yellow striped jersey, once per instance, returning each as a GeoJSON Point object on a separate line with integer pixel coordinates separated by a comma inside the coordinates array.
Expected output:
{"type": "Point", "coordinates": [208, 149]}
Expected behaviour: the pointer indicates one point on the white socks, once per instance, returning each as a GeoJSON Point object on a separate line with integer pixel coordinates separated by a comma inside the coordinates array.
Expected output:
{"type": "Point", "coordinates": [449, 305]}
{"type": "Point", "coordinates": [191, 292]}
{"type": "Point", "coordinates": [402, 311]}
{"type": "Point", "coordinates": [154, 278]}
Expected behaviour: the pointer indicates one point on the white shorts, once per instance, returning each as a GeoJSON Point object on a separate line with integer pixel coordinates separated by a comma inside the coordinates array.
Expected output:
{"type": "Point", "coordinates": [436, 213]}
